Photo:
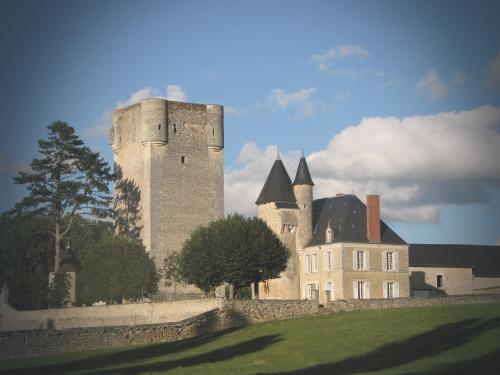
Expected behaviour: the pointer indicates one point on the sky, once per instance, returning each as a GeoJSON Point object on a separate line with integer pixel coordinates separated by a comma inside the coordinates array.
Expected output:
{"type": "Point", "coordinates": [395, 98]}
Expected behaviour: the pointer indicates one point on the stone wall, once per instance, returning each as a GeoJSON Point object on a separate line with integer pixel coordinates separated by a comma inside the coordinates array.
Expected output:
{"type": "Point", "coordinates": [233, 313]}
{"type": "Point", "coordinates": [380, 304]}
{"type": "Point", "coordinates": [100, 316]}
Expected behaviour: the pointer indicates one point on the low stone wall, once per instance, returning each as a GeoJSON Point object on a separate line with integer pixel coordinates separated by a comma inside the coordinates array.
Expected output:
{"type": "Point", "coordinates": [102, 316]}
{"type": "Point", "coordinates": [233, 313]}
{"type": "Point", "coordinates": [380, 304]}
{"type": "Point", "coordinates": [34, 343]}
{"type": "Point", "coordinates": [254, 311]}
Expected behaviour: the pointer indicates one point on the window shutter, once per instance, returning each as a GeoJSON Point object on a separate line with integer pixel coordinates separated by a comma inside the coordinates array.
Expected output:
{"type": "Point", "coordinates": [384, 285]}
{"type": "Point", "coordinates": [367, 289]}
{"type": "Point", "coordinates": [367, 260]}
{"type": "Point", "coordinates": [354, 260]}
{"type": "Point", "coordinates": [325, 261]}
{"type": "Point", "coordinates": [396, 290]}
{"type": "Point", "coordinates": [355, 290]}
{"type": "Point", "coordinates": [384, 260]}
{"type": "Point", "coordinates": [314, 263]}
{"type": "Point", "coordinates": [395, 260]}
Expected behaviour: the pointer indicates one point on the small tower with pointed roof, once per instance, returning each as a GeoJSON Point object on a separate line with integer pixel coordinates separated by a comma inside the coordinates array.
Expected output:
{"type": "Point", "coordinates": [277, 206]}
{"type": "Point", "coordinates": [303, 191]}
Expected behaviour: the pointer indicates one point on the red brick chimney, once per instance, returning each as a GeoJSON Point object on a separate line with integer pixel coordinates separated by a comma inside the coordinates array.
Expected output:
{"type": "Point", "coordinates": [373, 218]}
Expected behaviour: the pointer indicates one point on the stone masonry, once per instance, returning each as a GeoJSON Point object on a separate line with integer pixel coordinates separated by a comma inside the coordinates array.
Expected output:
{"type": "Point", "coordinates": [174, 153]}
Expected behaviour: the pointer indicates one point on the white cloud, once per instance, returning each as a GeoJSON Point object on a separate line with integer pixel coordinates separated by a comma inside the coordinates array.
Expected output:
{"type": "Point", "coordinates": [433, 86]}
{"type": "Point", "coordinates": [172, 92]}
{"type": "Point", "coordinates": [137, 96]}
{"type": "Point", "coordinates": [299, 100]}
{"type": "Point", "coordinates": [417, 164]}
{"type": "Point", "coordinates": [101, 128]}
{"type": "Point", "coordinates": [493, 72]}
{"type": "Point", "coordinates": [176, 93]}
{"type": "Point", "coordinates": [234, 111]}
{"type": "Point", "coordinates": [325, 62]}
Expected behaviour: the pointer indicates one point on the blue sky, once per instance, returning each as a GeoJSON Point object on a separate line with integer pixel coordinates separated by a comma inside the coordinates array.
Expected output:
{"type": "Point", "coordinates": [396, 98]}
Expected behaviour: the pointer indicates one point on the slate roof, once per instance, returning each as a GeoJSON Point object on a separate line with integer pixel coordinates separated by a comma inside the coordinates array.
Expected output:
{"type": "Point", "coordinates": [303, 177]}
{"type": "Point", "coordinates": [69, 261]}
{"type": "Point", "coordinates": [347, 217]}
{"type": "Point", "coordinates": [484, 260]}
{"type": "Point", "coordinates": [278, 186]}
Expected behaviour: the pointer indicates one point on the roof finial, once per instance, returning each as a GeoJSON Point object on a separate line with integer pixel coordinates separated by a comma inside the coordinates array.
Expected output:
{"type": "Point", "coordinates": [278, 153]}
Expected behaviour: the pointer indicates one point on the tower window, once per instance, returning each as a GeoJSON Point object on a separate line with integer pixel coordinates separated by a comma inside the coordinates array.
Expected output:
{"type": "Point", "coordinates": [213, 131]}
{"type": "Point", "coordinates": [159, 126]}
{"type": "Point", "coordinates": [175, 128]}
{"type": "Point", "coordinates": [183, 159]}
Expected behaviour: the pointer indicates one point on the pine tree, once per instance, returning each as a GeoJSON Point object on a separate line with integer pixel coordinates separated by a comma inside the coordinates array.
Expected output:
{"type": "Point", "coordinates": [67, 180]}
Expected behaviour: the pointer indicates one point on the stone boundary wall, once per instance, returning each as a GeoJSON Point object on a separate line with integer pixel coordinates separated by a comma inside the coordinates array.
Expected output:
{"type": "Point", "coordinates": [130, 314]}
{"type": "Point", "coordinates": [233, 313]}
{"type": "Point", "coordinates": [380, 304]}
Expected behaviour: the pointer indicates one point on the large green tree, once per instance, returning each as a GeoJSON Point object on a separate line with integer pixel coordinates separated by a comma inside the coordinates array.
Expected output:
{"type": "Point", "coordinates": [117, 268]}
{"type": "Point", "coordinates": [67, 180]}
{"type": "Point", "coordinates": [236, 250]}
{"type": "Point", "coordinates": [25, 254]}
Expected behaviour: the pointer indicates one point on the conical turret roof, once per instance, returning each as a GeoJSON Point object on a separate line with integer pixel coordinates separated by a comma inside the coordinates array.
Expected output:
{"type": "Point", "coordinates": [278, 186]}
{"type": "Point", "coordinates": [303, 177]}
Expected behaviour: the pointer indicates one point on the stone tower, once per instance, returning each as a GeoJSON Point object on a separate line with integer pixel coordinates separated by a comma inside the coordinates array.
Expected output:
{"type": "Point", "coordinates": [174, 153]}
{"type": "Point", "coordinates": [277, 206]}
{"type": "Point", "coordinates": [303, 190]}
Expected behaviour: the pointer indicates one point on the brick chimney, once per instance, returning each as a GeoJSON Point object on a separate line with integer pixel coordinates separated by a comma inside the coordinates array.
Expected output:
{"type": "Point", "coordinates": [373, 218]}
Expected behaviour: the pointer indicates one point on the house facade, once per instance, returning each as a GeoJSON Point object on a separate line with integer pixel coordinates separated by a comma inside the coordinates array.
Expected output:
{"type": "Point", "coordinates": [340, 248]}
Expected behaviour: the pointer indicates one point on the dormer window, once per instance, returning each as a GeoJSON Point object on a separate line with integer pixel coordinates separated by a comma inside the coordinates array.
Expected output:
{"type": "Point", "coordinates": [329, 234]}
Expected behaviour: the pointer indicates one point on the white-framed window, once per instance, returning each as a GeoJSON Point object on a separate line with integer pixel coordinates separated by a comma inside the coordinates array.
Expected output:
{"type": "Point", "coordinates": [330, 290]}
{"type": "Point", "coordinates": [307, 263]}
{"type": "Point", "coordinates": [309, 291]}
{"type": "Point", "coordinates": [390, 261]}
{"type": "Point", "coordinates": [361, 289]}
{"type": "Point", "coordinates": [314, 263]}
{"type": "Point", "coordinates": [328, 260]}
{"type": "Point", "coordinates": [360, 260]}
{"type": "Point", "coordinates": [391, 289]}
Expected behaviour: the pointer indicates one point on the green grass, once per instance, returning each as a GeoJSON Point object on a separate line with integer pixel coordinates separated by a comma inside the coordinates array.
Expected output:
{"type": "Point", "coordinates": [430, 340]}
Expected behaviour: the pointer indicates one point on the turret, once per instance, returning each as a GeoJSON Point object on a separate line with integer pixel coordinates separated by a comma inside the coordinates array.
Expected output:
{"type": "Point", "coordinates": [215, 124]}
{"type": "Point", "coordinates": [154, 121]}
{"type": "Point", "coordinates": [303, 191]}
{"type": "Point", "coordinates": [278, 208]}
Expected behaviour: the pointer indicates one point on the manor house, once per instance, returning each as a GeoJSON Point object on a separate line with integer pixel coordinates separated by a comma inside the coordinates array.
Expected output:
{"type": "Point", "coordinates": [340, 247]}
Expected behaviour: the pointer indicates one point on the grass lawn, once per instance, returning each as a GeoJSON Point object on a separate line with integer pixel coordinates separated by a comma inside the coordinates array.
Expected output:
{"type": "Point", "coordinates": [457, 339]}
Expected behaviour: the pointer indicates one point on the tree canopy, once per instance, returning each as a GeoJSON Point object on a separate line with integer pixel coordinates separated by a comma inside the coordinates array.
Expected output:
{"type": "Point", "coordinates": [68, 179]}
{"type": "Point", "coordinates": [236, 250]}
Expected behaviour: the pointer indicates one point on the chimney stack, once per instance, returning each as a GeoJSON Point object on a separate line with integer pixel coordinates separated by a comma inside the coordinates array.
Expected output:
{"type": "Point", "coordinates": [373, 218]}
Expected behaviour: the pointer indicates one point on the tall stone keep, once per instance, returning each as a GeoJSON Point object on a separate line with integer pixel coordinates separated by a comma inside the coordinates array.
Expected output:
{"type": "Point", "coordinates": [174, 153]}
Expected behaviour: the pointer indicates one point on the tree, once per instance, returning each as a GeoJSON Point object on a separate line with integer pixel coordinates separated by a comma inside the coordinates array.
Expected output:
{"type": "Point", "coordinates": [59, 290]}
{"type": "Point", "coordinates": [67, 180]}
{"type": "Point", "coordinates": [118, 268]}
{"type": "Point", "coordinates": [236, 250]}
{"type": "Point", "coordinates": [25, 253]}
{"type": "Point", "coordinates": [127, 209]}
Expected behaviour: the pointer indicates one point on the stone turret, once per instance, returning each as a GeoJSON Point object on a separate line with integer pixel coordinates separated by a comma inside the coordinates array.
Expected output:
{"type": "Point", "coordinates": [215, 123]}
{"type": "Point", "coordinates": [278, 208]}
{"type": "Point", "coordinates": [303, 191]}
{"type": "Point", "coordinates": [154, 121]}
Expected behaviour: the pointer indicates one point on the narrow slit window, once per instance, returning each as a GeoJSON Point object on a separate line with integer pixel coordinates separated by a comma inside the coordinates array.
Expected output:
{"type": "Point", "coordinates": [159, 126]}
{"type": "Point", "coordinates": [175, 128]}
{"type": "Point", "coordinates": [183, 159]}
